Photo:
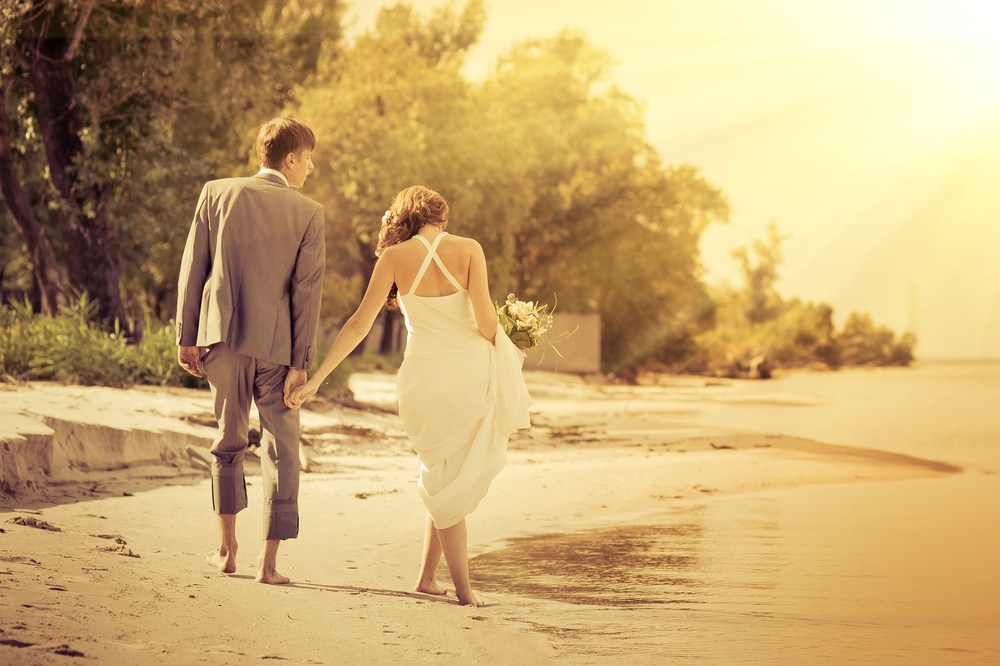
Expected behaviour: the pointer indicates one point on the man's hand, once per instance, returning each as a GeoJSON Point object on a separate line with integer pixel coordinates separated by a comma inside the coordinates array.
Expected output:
{"type": "Point", "coordinates": [305, 391]}
{"type": "Point", "coordinates": [190, 360]}
{"type": "Point", "coordinates": [295, 378]}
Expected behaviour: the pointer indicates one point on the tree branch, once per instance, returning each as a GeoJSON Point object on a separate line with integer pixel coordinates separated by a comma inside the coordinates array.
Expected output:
{"type": "Point", "coordinates": [43, 264]}
{"type": "Point", "coordinates": [81, 23]}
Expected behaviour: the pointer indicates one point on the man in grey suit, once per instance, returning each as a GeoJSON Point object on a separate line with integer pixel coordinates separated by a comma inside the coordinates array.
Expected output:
{"type": "Point", "coordinates": [249, 293]}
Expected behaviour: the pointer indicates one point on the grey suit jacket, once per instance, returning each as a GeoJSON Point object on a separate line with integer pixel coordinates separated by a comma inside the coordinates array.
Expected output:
{"type": "Point", "coordinates": [252, 271]}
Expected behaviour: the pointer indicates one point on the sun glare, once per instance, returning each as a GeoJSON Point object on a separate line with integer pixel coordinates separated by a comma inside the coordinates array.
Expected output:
{"type": "Point", "coordinates": [962, 38]}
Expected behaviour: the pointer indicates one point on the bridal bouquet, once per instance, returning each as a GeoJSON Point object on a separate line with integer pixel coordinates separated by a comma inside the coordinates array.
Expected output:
{"type": "Point", "coordinates": [524, 322]}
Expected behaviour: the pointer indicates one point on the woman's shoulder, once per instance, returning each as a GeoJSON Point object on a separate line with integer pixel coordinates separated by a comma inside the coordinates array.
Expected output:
{"type": "Point", "coordinates": [465, 242]}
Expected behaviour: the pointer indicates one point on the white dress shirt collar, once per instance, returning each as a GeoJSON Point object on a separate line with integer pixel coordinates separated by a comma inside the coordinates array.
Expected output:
{"type": "Point", "coordinates": [274, 172]}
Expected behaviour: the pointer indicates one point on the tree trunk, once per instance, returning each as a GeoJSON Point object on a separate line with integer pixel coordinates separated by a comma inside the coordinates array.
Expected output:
{"type": "Point", "coordinates": [388, 343]}
{"type": "Point", "coordinates": [89, 254]}
{"type": "Point", "coordinates": [43, 262]}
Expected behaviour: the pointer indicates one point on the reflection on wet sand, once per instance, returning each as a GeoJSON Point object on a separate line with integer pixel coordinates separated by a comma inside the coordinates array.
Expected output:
{"type": "Point", "coordinates": [808, 575]}
{"type": "Point", "coordinates": [627, 566]}
{"type": "Point", "coordinates": [876, 572]}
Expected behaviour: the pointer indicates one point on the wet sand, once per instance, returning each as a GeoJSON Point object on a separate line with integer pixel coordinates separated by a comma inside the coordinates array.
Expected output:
{"type": "Point", "coordinates": [817, 575]}
{"type": "Point", "coordinates": [623, 529]}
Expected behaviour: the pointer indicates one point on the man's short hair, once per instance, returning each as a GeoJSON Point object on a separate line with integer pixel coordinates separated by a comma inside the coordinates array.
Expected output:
{"type": "Point", "coordinates": [280, 136]}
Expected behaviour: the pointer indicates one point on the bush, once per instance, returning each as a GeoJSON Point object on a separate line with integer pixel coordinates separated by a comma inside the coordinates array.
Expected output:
{"type": "Point", "coordinates": [69, 347]}
{"type": "Point", "coordinates": [72, 349]}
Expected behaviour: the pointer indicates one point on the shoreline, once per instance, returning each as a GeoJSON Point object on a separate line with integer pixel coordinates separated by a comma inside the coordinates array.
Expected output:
{"type": "Point", "coordinates": [578, 470]}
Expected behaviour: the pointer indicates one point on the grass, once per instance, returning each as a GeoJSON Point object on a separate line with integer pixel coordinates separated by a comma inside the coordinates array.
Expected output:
{"type": "Point", "coordinates": [71, 348]}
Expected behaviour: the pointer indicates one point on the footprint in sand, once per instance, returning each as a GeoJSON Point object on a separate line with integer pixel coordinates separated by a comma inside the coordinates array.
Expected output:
{"type": "Point", "coordinates": [19, 559]}
{"type": "Point", "coordinates": [120, 549]}
{"type": "Point", "coordinates": [33, 522]}
{"type": "Point", "coordinates": [67, 651]}
{"type": "Point", "coordinates": [376, 492]}
{"type": "Point", "coordinates": [63, 650]}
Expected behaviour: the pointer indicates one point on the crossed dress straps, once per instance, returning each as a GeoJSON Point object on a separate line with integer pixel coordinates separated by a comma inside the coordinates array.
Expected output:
{"type": "Point", "coordinates": [432, 255]}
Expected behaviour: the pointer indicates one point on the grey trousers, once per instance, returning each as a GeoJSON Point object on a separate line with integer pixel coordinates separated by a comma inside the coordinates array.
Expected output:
{"type": "Point", "coordinates": [236, 380]}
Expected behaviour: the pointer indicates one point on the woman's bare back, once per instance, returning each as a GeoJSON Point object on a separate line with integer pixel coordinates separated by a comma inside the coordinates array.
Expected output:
{"type": "Point", "coordinates": [454, 251]}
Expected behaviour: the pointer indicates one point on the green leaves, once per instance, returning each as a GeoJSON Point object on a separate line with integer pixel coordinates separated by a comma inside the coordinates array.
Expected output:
{"type": "Point", "coordinates": [543, 162]}
{"type": "Point", "coordinates": [755, 322]}
{"type": "Point", "coordinates": [70, 347]}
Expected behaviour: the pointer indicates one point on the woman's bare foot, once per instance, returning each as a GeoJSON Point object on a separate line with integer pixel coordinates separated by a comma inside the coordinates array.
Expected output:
{"type": "Point", "coordinates": [430, 587]}
{"type": "Point", "coordinates": [223, 559]}
{"type": "Point", "coordinates": [468, 598]}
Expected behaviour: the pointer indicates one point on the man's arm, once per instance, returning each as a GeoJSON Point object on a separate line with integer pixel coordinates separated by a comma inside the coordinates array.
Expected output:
{"type": "Point", "coordinates": [307, 291]}
{"type": "Point", "coordinates": [195, 265]}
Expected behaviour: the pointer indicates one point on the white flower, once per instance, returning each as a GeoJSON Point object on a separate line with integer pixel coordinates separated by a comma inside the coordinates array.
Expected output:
{"type": "Point", "coordinates": [529, 318]}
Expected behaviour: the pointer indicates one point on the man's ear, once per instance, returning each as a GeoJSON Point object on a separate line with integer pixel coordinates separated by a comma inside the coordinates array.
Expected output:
{"type": "Point", "coordinates": [289, 160]}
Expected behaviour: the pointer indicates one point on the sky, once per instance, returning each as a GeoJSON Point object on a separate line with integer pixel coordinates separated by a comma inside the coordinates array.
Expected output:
{"type": "Point", "coordinates": [867, 130]}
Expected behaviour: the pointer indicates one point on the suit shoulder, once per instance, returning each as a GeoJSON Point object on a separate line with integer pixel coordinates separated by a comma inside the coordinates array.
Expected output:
{"type": "Point", "coordinates": [223, 183]}
{"type": "Point", "coordinates": [305, 201]}
{"type": "Point", "coordinates": [220, 185]}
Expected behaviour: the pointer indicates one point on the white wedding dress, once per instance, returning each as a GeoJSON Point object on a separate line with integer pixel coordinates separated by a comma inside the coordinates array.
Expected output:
{"type": "Point", "coordinates": [460, 397]}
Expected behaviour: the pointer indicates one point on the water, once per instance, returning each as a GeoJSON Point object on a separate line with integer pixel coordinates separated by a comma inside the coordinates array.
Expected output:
{"type": "Point", "coordinates": [943, 411]}
{"type": "Point", "coordinates": [893, 572]}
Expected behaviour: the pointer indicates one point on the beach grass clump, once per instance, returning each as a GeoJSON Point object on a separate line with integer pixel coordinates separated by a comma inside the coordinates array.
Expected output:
{"type": "Point", "coordinates": [70, 347]}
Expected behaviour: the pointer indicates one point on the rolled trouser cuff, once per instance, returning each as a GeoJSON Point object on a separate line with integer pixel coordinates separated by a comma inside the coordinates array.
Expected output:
{"type": "Point", "coordinates": [229, 488]}
{"type": "Point", "coordinates": [281, 519]}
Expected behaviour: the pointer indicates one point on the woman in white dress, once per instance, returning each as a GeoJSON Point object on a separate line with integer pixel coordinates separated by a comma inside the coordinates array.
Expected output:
{"type": "Point", "coordinates": [461, 392]}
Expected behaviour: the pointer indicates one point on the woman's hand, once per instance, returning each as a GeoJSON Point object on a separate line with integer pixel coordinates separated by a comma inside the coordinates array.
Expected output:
{"type": "Point", "coordinates": [303, 392]}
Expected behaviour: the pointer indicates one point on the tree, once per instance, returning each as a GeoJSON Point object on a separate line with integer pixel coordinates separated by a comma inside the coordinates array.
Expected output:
{"type": "Point", "coordinates": [45, 271]}
{"type": "Point", "coordinates": [760, 276]}
{"type": "Point", "coordinates": [391, 111]}
{"type": "Point", "coordinates": [116, 98]}
{"type": "Point", "coordinates": [43, 57]}
{"type": "Point", "coordinates": [543, 163]}
{"type": "Point", "coordinates": [755, 327]}
{"type": "Point", "coordinates": [609, 228]}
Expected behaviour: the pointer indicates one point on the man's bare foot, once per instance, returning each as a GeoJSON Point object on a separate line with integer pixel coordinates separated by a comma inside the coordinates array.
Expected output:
{"type": "Point", "coordinates": [468, 598]}
{"type": "Point", "coordinates": [268, 574]}
{"type": "Point", "coordinates": [224, 560]}
{"type": "Point", "coordinates": [271, 577]}
{"type": "Point", "coordinates": [430, 587]}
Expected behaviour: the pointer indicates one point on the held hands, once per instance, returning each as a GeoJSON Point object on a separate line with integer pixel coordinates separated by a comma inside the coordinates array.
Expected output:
{"type": "Point", "coordinates": [295, 378]}
{"type": "Point", "coordinates": [301, 393]}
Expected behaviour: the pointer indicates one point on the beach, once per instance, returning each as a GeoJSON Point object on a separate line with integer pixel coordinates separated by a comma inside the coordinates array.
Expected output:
{"type": "Point", "coordinates": [816, 518]}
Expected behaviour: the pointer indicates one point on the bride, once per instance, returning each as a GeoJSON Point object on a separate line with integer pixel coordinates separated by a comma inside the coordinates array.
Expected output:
{"type": "Point", "coordinates": [461, 392]}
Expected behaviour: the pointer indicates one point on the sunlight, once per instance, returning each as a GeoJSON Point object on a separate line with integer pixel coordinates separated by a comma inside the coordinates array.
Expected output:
{"type": "Point", "coordinates": [961, 38]}
{"type": "Point", "coordinates": [862, 127]}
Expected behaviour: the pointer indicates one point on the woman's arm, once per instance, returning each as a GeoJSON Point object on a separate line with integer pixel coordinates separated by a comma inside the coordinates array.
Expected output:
{"type": "Point", "coordinates": [479, 290]}
{"type": "Point", "coordinates": [353, 331]}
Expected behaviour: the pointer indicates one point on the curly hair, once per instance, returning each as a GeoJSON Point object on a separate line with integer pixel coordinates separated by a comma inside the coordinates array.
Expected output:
{"type": "Point", "coordinates": [411, 209]}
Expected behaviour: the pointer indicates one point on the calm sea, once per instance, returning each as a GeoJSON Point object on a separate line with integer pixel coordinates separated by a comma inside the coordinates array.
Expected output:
{"type": "Point", "coordinates": [902, 572]}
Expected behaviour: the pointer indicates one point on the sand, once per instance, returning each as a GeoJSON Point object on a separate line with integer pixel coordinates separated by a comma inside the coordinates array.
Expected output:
{"type": "Point", "coordinates": [120, 477]}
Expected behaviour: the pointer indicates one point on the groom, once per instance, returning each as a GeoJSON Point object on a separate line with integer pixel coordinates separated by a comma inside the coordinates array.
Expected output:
{"type": "Point", "coordinates": [249, 293]}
